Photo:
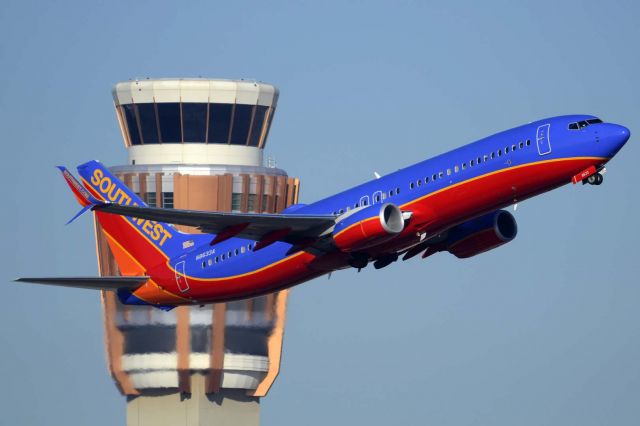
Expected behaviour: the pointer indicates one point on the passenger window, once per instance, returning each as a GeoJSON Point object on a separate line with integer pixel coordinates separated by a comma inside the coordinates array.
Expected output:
{"type": "Point", "coordinates": [204, 264]}
{"type": "Point", "coordinates": [448, 172]}
{"type": "Point", "coordinates": [528, 142]}
{"type": "Point", "coordinates": [441, 175]}
{"type": "Point", "coordinates": [478, 160]}
{"type": "Point", "coordinates": [486, 158]}
{"type": "Point", "coordinates": [229, 254]}
{"type": "Point", "coordinates": [434, 177]}
{"type": "Point", "coordinates": [411, 185]}
{"type": "Point", "coordinates": [499, 152]}
{"type": "Point", "coordinates": [236, 252]}
{"type": "Point", "coordinates": [521, 145]}
{"type": "Point", "coordinates": [242, 249]}
{"type": "Point", "coordinates": [419, 182]}
{"type": "Point", "coordinates": [390, 193]}
{"type": "Point", "coordinates": [216, 259]}
{"type": "Point", "coordinates": [513, 147]}
{"type": "Point", "coordinates": [471, 163]}
{"type": "Point", "coordinates": [464, 166]}
{"type": "Point", "coordinates": [456, 168]}
{"type": "Point", "coordinates": [426, 180]}
{"type": "Point", "coordinates": [223, 257]}
{"type": "Point", "coordinates": [493, 155]}
{"type": "Point", "coordinates": [506, 150]}
{"type": "Point", "coordinates": [397, 191]}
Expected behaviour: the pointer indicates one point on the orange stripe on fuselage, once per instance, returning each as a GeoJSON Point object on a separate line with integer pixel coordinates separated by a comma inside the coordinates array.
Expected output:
{"type": "Point", "coordinates": [151, 292]}
{"type": "Point", "coordinates": [127, 264]}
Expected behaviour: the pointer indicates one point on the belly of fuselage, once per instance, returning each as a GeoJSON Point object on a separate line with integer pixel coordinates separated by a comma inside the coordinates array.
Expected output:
{"type": "Point", "coordinates": [460, 202]}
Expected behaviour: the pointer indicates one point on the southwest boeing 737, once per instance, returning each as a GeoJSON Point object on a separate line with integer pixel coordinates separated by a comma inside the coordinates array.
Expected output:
{"type": "Point", "coordinates": [450, 203]}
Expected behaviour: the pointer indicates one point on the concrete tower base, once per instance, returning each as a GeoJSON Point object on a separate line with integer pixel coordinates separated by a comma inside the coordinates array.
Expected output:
{"type": "Point", "coordinates": [228, 407]}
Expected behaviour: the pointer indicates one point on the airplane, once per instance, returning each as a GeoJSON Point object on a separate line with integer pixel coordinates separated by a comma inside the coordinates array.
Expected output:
{"type": "Point", "coordinates": [450, 203]}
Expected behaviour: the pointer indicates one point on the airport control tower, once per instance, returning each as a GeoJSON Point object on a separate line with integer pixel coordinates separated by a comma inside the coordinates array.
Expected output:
{"type": "Point", "coordinates": [196, 144]}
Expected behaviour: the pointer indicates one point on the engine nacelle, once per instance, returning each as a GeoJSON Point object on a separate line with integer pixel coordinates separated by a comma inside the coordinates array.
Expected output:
{"type": "Point", "coordinates": [481, 234]}
{"type": "Point", "coordinates": [368, 227]}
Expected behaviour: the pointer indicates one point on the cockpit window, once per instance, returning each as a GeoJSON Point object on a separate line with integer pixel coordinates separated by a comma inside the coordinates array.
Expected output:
{"type": "Point", "coordinates": [584, 123]}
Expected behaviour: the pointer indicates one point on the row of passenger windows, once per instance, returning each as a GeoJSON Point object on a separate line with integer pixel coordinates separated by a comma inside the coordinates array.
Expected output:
{"type": "Point", "coordinates": [582, 124]}
{"type": "Point", "coordinates": [381, 196]}
{"type": "Point", "coordinates": [473, 162]}
{"type": "Point", "coordinates": [378, 196]}
{"type": "Point", "coordinates": [224, 256]}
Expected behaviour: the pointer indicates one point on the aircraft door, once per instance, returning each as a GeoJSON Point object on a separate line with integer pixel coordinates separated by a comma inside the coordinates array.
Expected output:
{"type": "Point", "coordinates": [364, 201]}
{"type": "Point", "coordinates": [542, 139]}
{"type": "Point", "coordinates": [181, 276]}
{"type": "Point", "coordinates": [377, 197]}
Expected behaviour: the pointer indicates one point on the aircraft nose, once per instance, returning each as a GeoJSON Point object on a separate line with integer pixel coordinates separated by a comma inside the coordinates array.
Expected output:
{"type": "Point", "coordinates": [619, 135]}
{"type": "Point", "coordinates": [615, 136]}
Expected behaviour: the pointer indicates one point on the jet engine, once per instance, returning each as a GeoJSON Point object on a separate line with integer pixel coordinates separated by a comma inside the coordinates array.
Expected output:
{"type": "Point", "coordinates": [368, 227]}
{"type": "Point", "coordinates": [481, 234]}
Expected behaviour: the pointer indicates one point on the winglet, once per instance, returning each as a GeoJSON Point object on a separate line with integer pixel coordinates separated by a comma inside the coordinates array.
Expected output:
{"type": "Point", "coordinates": [86, 200]}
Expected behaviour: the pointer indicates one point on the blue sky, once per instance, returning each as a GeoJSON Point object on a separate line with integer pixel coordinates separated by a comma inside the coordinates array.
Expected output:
{"type": "Point", "coordinates": [541, 331]}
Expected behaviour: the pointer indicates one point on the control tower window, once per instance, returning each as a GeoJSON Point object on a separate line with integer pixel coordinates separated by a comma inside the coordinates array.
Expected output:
{"type": "Point", "coordinates": [219, 122]}
{"type": "Point", "coordinates": [236, 201]}
{"type": "Point", "coordinates": [151, 199]}
{"type": "Point", "coordinates": [194, 121]}
{"type": "Point", "coordinates": [258, 123]}
{"type": "Point", "coordinates": [241, 124]}
{"type": "Point", "coordinates": [132, 125]}
{"type": "Point", "coordinates": [169, 116]}
{"type": "Point", "coordinates": [148, 124]}
{"type": "Point", "coordinates": [167, 200]}
{"type": "Point", "coordinates": [270, 114]}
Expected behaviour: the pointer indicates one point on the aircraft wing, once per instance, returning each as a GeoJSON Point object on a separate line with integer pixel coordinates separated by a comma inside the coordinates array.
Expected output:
{"type": "Point", "coordinates": [259, 227]}
{"type": "Point", "coordinates": [91, 283]}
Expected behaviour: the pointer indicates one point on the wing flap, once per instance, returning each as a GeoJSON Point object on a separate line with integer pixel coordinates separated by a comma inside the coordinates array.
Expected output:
{"type": "Point", "coordinates": [91, 283]}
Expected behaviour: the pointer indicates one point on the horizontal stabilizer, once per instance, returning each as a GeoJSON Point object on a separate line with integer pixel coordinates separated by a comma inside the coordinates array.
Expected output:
{"type": "Point", "coordinates": [91, 283]}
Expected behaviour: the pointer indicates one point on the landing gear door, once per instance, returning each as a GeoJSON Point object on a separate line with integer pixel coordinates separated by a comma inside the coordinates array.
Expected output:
{"type": "Point", "coordinates": [181, 277]}
{"type": "Point", "coordinates": [542, 139]}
